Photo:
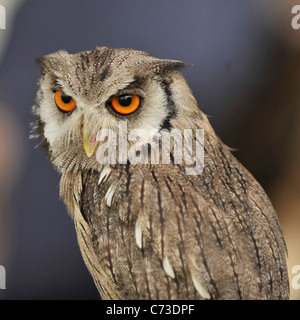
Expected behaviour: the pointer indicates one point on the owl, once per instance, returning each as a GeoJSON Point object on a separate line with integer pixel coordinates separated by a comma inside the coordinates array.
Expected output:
{"type": "Point", "coordinates": [153, 224]}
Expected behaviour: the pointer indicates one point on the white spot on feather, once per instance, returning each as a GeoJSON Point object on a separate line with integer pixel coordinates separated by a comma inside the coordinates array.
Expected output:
{"type": "Point", "coordinates": [109, 195]}
{"type": "Point", "coordinates": [104, 174]}
{"type": "Point", "coordinates": [138, 235]}
{"type": "Point", "coordinates": [168, 267]}
{"type": "Point", "coordinates": [201, 290]}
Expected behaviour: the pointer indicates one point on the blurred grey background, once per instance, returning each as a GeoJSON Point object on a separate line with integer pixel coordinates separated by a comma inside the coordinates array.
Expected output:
{"type": "Point", "coordinates": [246, 77]}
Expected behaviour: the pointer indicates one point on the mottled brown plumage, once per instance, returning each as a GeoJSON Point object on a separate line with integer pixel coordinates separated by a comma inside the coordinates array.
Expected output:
{"type": "Point", "coordinates": [150, 231]}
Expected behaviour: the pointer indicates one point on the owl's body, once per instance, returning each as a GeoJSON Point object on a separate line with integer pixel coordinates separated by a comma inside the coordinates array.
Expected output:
{"type": "Point", "coordinates": [150, 231]}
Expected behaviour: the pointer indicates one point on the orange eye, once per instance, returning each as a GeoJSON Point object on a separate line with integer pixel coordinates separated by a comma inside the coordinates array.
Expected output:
{"type": "Point", "coordinates": [64, 102]}
{"type": "Point", "coordinates": [126, 103]}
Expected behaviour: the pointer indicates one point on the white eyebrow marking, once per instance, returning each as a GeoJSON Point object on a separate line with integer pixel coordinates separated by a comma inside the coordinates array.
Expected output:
{"type": "Point", "coordinates": [104, 174]}
{"type": "Point", "coordinates": [168, 267]}
{"type": "Point", "coordinates": [138, 235]}
{"type": "Point", "coordinates": [109, 195]}
{"type": "Point", "coordinates": [201, 290]}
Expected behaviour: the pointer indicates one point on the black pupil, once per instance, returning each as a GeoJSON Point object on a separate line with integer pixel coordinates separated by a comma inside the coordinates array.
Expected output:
{"type": "Point", "coordinates": [125, 100]}
{"type": "Point", "coordinates": [65, 98]}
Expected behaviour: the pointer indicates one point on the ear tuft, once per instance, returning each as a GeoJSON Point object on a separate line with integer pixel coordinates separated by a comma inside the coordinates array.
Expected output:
{"type": "Point", "coordinates": [175, 65]}
{"type": "Point", "coordinates": [161, 65]}
{"type": "Point", "coordinates": [52, 61]}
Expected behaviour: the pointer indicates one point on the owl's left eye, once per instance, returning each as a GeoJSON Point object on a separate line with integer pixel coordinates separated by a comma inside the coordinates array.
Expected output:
{"type": "Point", "coordinates": [64, 102]}
{"type": "Point", "coordinates": [126, 104]}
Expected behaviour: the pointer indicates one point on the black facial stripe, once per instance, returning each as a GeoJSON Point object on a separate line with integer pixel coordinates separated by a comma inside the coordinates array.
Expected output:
{"type": "Point", "coordinates": [166, 124]}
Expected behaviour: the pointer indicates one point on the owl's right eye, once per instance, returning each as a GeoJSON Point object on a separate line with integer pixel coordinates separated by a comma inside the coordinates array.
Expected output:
{"type": "Point", "coordinates": [64, 102]}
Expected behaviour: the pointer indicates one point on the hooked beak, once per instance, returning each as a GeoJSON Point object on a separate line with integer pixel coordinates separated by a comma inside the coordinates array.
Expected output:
{"type": "Point", "coordinates": [90, 144]}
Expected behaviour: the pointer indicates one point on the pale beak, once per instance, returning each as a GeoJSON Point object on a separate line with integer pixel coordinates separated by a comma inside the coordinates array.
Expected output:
{"type": "Point", "coordinates": [89, 140]}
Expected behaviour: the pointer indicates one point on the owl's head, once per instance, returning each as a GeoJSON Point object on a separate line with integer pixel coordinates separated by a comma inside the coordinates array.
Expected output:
{"type": "Point", "coordinates": [80, 94]}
